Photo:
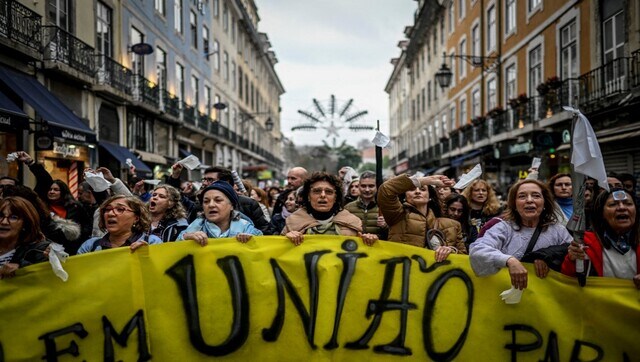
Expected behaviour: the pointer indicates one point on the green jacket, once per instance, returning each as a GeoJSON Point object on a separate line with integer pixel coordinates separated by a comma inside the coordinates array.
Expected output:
{"type": "Point", "coordinates": [369, 216]}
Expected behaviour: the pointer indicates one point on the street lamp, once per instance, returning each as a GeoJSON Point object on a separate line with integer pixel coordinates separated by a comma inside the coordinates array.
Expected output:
{"type": "Point", "coordinates": [444, 74]}
{"type": "Point", "coordinates": [268, 124]}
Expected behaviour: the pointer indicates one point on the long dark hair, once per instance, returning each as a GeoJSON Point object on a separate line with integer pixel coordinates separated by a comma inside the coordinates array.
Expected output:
{"type": "Point", "coordinates": [548, 215]}
{"type": "Point", "coordinates": [464, 218]}
{"type": "Point", "coordinates": [600, 225]}
{"type": "Point", "coordinates": [31, 232]}
{"type": "Point", "coordinates": [322, 176]}
{"type": "Point", "coordinates": [434, 201]}
{"type": "Point", "coordinates": [65, 193]}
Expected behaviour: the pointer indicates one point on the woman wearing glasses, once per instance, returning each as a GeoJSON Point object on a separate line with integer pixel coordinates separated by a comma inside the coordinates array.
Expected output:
{"type": "Point", "coordinates": [126, 221]}
{"type": "Point", "coordinates": [612, 246]}
{"type": "Point", "coordinates": [21, 240]}
{"type": "Point", "coordinates": [418, 221]}
{"type": "Point", "coordinates": [322, 212]}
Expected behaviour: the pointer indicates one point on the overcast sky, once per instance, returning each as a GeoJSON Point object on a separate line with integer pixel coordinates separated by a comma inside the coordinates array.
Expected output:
{"type": "Point", "coordinates": [340, 47]}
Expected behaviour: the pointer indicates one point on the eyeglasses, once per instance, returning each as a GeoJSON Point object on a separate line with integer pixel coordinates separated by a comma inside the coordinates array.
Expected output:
{"type": "Point", "coordinates": [319, 191]}
{"type": "Point", "coordinates": [209, 179]}
{"type": "Point", "coordinates": [118, 210]}
{"type": "Point", "coordinates": [10, 218]}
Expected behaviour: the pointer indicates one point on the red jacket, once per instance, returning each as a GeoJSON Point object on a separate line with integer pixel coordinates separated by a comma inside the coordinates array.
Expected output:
{"type": "Point", "coordinates": [594, 251]}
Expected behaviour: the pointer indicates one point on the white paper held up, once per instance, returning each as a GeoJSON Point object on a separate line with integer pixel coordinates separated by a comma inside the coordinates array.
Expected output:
{"type": "Point", "coordinates": [152, 182]}
{"type": "Point", "coordinates": [586, 156]}
{"type": "Point", "coordinates": [191, 162]}
{"type": "Point", "coordinates": [57, 256]}
{"type": "Point", "coordinates": [467, 178]}
{"type": "Point", "coordinates": [381, 140]}
{"type": "Point", "coordinates": [97, 181]}
{"type": "Point", "coordinates": [511, 296]}
{"type": "Point", "coordinates": [12, 156]}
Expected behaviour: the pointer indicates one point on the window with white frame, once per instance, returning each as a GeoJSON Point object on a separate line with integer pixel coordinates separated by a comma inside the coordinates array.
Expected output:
{"type": "Point", "coordinates": [137, 60]}
{"type": "Point", "coordinates": [216, 55]}
{"type": "Point", "coordinates": [216, 8]}
{"type": "Point", "coordinates": [613, 44]}
{"type": "Point", "coordinates": [452, 113]}
{"type": "Point", "coordinates": [161, 68]}
{"type": "Point", "coordinates": [207, 100]}
{"type": "Point", "coordinates": [568, 51]}
{"type": "Point", "coordinates": [475, 102]}
{"type": "Point", "coordinates": [205, 40]}
{"type": "Point", "coordinates": [510, 16]}
{"type": "Point", "coordinates": [510, 85]}
{"type": "Point", "coordinates": [492, 94]}
{"type": "Point", "coordinates": [463, 111]}
{"type": "Point", "coordinates": [225, 66]}
{"type": "Point", "coordinates": [225, 18]}
{"type": "Point", "coordinates": [461, 9]}
{"type": "Point", "coordinates": [534, 5]}
{"type": "Point", "coordinates": [445, 124]}
{"type": "Point", "coordinates": [180, 81]}
{"type": "Point", "coordinates": [104, 31]}
{"type": "Point", "coordinates": [491, 29]}
{"type": "Point", "coordinates": [475, 40]}
{"type": "Point", "coordinates": [451, 17]}
{"type": "Point", "coordinates": [195, 91]}
{"type": "Point", "coordinates": [462, 64]}
{"type": "Point", "coordinates": [177, 16]}
{"type": "Point", "coordinates": [535, 69]}
{"type": "Point", "coordinates": [160, 6]}
{"type": "Point", "coordinates": [193, 27]}
{"type": "Point", "coordinates": [233, 75]}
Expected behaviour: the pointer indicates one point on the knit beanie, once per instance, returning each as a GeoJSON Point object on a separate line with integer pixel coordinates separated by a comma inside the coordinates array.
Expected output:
{"type": "Point", "coordinates": [223, 187]}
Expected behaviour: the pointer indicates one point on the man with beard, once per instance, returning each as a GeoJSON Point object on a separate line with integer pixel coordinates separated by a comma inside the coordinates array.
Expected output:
{"type": "Point", "coordinates": [366, 208]}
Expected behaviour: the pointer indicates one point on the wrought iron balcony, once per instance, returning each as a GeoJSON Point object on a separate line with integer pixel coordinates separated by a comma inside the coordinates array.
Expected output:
{"type": "Point", "coordinates": [613, 78]}
{"type": "Point", "coordinates": [482, 130]}
{"type": "Point", "coordinates": [188, 114]}
{"type": "Point", "coordinates": [204, 121]}
{"type": "Point", "coordinates": [233, 137]}
{"type": "Point", "coordinates": [402, 154]}
{"type": "Point", "coordinates": [446, 145]}
{"type": "Point", "coordinates": [20, 24]}
{"type": "Point", "coordinates": [61, 46]}
{"type": "Point", "coordinates": [145, 91]}
{"type": "Point", "coordinates": [169, 104]}
{"type": "Point", "coordinates": [111, 73]}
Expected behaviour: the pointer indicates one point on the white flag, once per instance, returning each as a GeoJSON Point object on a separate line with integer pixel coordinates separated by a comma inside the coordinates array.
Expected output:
{"type": "Point", "coordinates": [586, 156]}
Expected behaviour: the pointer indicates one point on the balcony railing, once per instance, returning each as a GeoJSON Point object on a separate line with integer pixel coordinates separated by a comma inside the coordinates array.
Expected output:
{"type": "Point", "coordinates": [188, 114]}
{"type": "Point", "coordinates": [111, 73]}
{"type": "Point", "coordinates": [145, 91]}
{"type": "Point", "coordinates": [61, 46]}
{"type": "Point", "coordinates": [20, 24]}
{"type": "Point", "coordinates": [204, 122]}
{"type": "Point", "coordinates": [618, 76]}
{"type": "Point", "coordinates": [169, 104]}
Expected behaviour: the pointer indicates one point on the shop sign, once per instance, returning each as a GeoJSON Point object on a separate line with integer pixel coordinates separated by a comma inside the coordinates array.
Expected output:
{"type": "Point", "coordinates": [66, 150]}
{"type": "Point", "coordinates": [5, 120]}
{"type": "Point", "coordinates": [74, 136]}
{"type": "Point", "coordinates": [520, 148]}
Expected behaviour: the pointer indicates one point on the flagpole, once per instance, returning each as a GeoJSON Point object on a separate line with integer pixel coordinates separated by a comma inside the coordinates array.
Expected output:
{"type": "Point", "coordinates": [577, 223]}
{"type": "Point", "coordinates": [378, 161]}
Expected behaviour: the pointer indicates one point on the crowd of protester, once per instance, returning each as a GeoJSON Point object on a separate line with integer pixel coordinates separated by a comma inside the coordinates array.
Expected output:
{"type": "Point", "coordinates": [421, 211]}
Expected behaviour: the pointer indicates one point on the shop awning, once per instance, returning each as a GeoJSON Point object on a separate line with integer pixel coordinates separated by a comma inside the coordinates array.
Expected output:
{"type": "Point", "coordinates": [62, 122]}
{"type": "Point", "coordinates": [151, 157]}
{"type": "Point", "coordinates": [11, 115]}
{"type": "Point", "coordinates": [458, 160]}
{"type": "Point", "coordinates": [122, 153]}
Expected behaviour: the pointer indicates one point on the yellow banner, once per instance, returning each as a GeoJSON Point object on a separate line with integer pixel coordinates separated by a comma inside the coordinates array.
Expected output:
{"type": "Point", "coordinates": [331, 298]}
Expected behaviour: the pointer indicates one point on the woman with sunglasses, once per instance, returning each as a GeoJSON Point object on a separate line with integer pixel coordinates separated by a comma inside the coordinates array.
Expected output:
{"type": "Point", "coordinates": [612, 246]}
{"type": "Point", "coordinates": [21, 240]}
{"type": "Point", "coordinates": [322, 212]}
{"type": "Point", "coordinates": [126, 221]}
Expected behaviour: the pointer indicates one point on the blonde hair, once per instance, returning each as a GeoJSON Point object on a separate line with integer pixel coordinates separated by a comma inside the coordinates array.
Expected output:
{"type": "Point", "coordinates": [492, 205]}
